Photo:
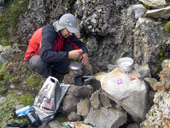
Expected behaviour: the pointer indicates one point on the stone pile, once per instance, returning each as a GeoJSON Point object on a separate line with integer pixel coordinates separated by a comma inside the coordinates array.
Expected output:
{"type": "Point", "coordinates": [95, 107]}
{"type": "Point", "coordinates": [159, 114]}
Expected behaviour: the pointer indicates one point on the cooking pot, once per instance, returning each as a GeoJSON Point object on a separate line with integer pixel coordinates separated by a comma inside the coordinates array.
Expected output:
{"type": "Point", "coordinates": [76, 66]}
{"type": "Point", "coordinates": [125, 64]}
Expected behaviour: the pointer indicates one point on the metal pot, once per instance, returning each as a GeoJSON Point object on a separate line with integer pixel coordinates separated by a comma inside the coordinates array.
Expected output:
{"type": "Point", "coordinates": [76, 66]}
{"type": "Point", "coordinates": [125, 64]}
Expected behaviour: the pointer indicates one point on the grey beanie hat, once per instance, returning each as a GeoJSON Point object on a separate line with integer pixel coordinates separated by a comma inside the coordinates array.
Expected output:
{"type": "Point", "coordinates": [66, 21]}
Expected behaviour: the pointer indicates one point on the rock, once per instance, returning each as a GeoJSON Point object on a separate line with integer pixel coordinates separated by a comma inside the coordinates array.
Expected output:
{"type": "Point", "coordinates": [151, 96]}
{"type": "Point", "coordinates": [163, 13]}
{"type": "Point", "coordinates": [2, 100]}
{"type": "Point", "coordinates": [19, 93]}
{"type": "Point", "coordinates": [165, 74]}
{"type": "Point", "coordinates": [111, 117]}
{"type": "Point", "coordinates": [1, 59]}
{"type": "Point", "coordinates": [55, 124]}
{"type": "Point", "coordinates": [77, 124]}
{"type": "Point", "coordinates": [154, 3]}
{"type": "Point", "coordinates": [12, 86]}
{"type": "Point", "coordinates": [103, 65]}
{"type": "Point", "coordinates": [146, 47]}
{"type": "Point", "coordinates": [132, 95]}
{"type": "Point", "coordinates": [105, 101]}
{"type": "Point", "coordinates": [95, 101]}
{"type": "Point", "coordinates": [111, 67]}
{"type": "Point", "coordinates": [83, 107]}
{"type": "Point", "coordinates": [151, 82]}
{"type": "Point", "coordinates": [143, 70]}
{"type": "Point", "coordinates": [92, 45]}
{"type": "Point", "coordinates": [74, 117]}
{"type": "Point", "coordinates": [139, 10]}
{"type": "Point", "coordinates": [1, 48]}
{"type": "Point", "coordinates": [70, 78]}
{"type": "Point", "coordinates": [133, 126]}
{"type": "Point", "coordinates": [70, 104]}
{"type": "Point", "coordinates": [88, 69]}
{"type": "Point", "coordinates": [159, 112]}
{"type": "Point", "coordinates": [19, 106]}
{"type": "Point", "coordinates": [81, 91]}
{"type": "Point", "coordinates": [2, 2]}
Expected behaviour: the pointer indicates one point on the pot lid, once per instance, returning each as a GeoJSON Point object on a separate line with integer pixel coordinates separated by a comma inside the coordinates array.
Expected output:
{"type": "Point", "coordinates": [76, 66]}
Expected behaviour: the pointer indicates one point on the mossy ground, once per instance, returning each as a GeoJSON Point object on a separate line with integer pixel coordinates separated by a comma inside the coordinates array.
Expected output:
{"type": "Point", "coordinates": [14, 75]}
{"type": "Point", "coordinates": [7, 110]}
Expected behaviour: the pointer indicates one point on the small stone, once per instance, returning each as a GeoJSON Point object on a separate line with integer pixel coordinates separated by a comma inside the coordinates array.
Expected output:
{"type": "Point", "coordinates": [19, 106]}
{"type": "Point", "coordinates": [2, 100]}
{"type": "Point", "coordinates": [12, 86]}
{"type": "Point", "coordinates": [19, 93]}
{"type": "Point", "coordinates": [55, 124]}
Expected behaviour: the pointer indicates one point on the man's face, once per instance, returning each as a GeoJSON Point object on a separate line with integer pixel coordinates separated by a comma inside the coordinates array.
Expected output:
{"type": "Point", "coordinates": [65, 33]}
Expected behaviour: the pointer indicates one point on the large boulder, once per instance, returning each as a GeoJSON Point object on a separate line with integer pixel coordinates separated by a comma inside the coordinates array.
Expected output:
{"type": "Point", "coordinates": [150, 41]}
{"type": "Point", "coordinates": [128, 91]}
{"type": "Point", "coordinates": [163, 13]}
{"type": "Point", "coordinates": [154, 3]}
{"type": "Point", "coordinates": [106, 118]}
{"type": "Point", "coordinates": [39, 13]}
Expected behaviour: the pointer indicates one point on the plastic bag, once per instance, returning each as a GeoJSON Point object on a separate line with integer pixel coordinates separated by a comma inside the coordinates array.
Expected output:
{"type": "Point", "coordinates": [49, 98]}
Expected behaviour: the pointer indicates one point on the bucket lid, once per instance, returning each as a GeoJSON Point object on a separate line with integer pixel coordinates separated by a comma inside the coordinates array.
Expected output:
{"type": "Point", "coordinates": [76, 66]}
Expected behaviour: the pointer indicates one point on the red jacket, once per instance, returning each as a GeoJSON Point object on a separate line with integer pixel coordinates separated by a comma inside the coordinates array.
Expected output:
{"type": "Point", "coordinates": [47, 43]}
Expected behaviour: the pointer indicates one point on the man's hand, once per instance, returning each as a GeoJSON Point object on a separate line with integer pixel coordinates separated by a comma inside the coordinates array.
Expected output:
{"type": "Point", "coordinates": [75, 54]}
{"type": "Point", "coordinates": [85, 59]}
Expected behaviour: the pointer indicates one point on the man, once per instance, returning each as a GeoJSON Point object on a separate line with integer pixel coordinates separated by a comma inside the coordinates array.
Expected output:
{"type": "Point", "coordinates": [52, 47]}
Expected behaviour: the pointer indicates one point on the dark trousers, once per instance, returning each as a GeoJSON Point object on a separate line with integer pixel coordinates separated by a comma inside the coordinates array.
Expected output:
{"type": "Point", "coordinates": [45, 69]}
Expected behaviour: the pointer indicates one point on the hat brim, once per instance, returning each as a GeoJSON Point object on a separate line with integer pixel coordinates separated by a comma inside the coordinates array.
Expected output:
{"type": "Point", "coordinates": [72, 29]}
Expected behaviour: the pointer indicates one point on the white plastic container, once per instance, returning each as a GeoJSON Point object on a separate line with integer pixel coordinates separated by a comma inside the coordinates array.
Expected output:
{"type": "Point", "coordinates": [49, 86]}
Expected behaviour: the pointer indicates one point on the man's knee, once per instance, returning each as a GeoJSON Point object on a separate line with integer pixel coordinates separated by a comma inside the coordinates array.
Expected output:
{"type": "Point", "coordinates": [36, 63]}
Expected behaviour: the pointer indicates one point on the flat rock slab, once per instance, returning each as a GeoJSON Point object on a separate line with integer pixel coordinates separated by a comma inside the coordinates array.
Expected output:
{"type": "Point", "coordinates": [112, 118]}
{"type": "Point", "coordinates": [154, 3]}
{"type": "Point", "coordinates": [163, 13]}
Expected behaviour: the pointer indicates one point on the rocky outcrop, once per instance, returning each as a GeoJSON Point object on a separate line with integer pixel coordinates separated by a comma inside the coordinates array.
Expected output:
{"type": "Point", "coordinates": [110, 30]}
{"type": "Point", "coordinates": [154, 3]}
{"type": "Point", "coordinates": [159, 116]}
{"type": "Point", "coordinates": [163, 13]}
{"type": "Point", "coordinates": [146, 47]}
{"type": "Point", "coordinates": [39, 13]}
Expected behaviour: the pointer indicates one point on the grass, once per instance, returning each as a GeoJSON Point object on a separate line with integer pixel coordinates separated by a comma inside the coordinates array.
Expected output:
{"type": "Point", "coordinates": [7, 111]}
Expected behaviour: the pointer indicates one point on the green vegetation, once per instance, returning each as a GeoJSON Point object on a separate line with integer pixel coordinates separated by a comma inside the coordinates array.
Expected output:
{"type": "Point", "coordinates": [146, 6]}
{"type": "Point", "coordinates": [27, 99]}
{"type": "Point", "coordinates": [6, 43]}
{"type": "Point", "coordinates": [7, 110]}
{"type": "Point", "coordinates": [167, 27]}
{"type": "Point", "coordinates": [34, 81]}
{"type": "Point", "coordinates": [162, 53]}
{"type": "Point", "coordinates": [3, 29]}
{"type": "Point", "coordinates": [4, 78]}
{"type": "Point", "coordinates": [61, 118]}
{"type": "Point", "coordinates": [2, 71]}
{"type": "Point", "coordinates": [2, 92]}
{"type": "Point", "coordinates": [10, 16]}
{"type": "Point", "coordinates": [15, 80]}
